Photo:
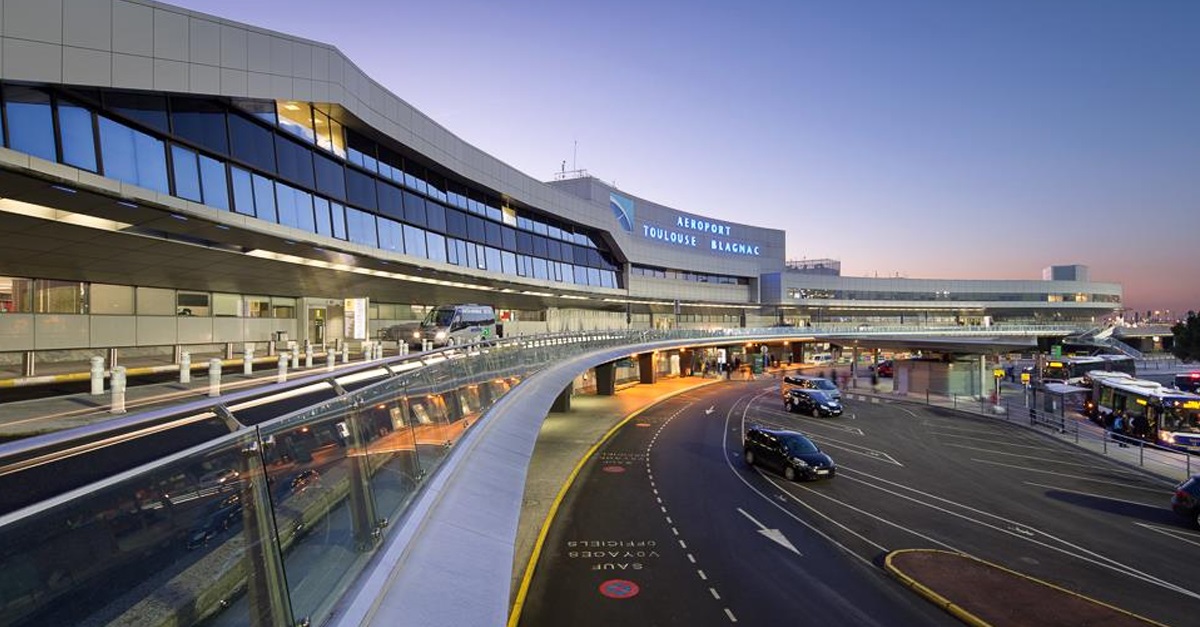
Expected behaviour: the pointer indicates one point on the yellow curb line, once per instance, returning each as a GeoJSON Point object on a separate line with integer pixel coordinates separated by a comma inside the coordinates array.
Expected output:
{"type": "Point", "coordinates": [971, 619]}
{"type": "Point", "coordinates": [523, 592]}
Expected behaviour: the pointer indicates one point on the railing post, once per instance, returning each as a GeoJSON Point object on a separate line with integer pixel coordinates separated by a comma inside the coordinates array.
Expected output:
{"type": "Point", "coordinates": [118, 390]}
{"type": "Point", "coordinates": [97, 375]}
{"type": "Point", "coordinates": [266, 586]}
{"type": "Point", "coordinates": [185, 367]}
{"type": "Point", "coordinates": [214, 377]}
{"type": "Point", "coordinates": [362, 507]}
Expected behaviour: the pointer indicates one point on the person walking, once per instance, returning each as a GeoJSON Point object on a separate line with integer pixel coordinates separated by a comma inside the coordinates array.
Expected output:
{"type": "Point", "coordinates": [1118, 429]}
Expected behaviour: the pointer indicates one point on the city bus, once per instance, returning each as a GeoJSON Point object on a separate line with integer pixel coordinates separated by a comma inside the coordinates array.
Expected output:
{"type": "Point", "coordinates": [1073, 370]}
{"type": "Point", "coordinates": [1172, 416]}
{"type": "Point", "coordinates": [450, 325]}
{"type": "Point", "coordinates": [1188, 382]}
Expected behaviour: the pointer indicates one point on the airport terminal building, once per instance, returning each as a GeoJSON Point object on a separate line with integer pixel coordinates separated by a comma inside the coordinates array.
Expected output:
{"type": "Point", "coordinates": [170, 178]}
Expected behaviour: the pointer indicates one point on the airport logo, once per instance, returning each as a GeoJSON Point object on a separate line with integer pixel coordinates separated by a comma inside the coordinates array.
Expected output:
{"type": "Point", "coordinates": [622, 209]}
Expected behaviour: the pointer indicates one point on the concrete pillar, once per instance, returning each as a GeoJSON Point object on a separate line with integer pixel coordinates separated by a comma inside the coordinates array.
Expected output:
{"type": "Point", "coordinates": [248, 360]}
{"type": "Point", "coordinates": [214, 377]}
{"type": "Point", "coordinates": [562, 403]}
{"type": "Point", "coordinates": [606, 379]}
{"type": "Point", "coordinates": [185, 367]}
{"type": "Point", "coordinates": [27, 364]}
{"type": "Point", "coordinates": [294, 350]}
{"type": "Point", "coordinates": [329, 358]}
{"type": "Point", "coordinates": [281, 375]}
{"type": "Point", "coordinates": [308, 354]}
{"type": "Point", "coordinates": [984, 379]}
{"type": "Point", "coordinates": [97, 375]}
{"type": "Point", "coordinates": [647, 373]}
{"type": "Point", "coordinates": [118, 390]}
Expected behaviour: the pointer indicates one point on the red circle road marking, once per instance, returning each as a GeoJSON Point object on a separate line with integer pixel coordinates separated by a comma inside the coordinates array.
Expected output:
{"type": "Point", "coordinates": [619, 589]}
{"type": "Point", "coordinates": [613, 469]}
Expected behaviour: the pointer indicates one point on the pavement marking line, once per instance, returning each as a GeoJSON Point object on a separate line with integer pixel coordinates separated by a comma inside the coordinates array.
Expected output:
{"type": "Point", "coordinates": [1171, 532]}
{"type": "Point", "coordinates": [1080, 553]}
{"type": "Point", "coordinates": [691, 558]}
{"type": "Point", "coordinates": [732, 618]}
{"type": "Point", "coordinates": [1099, 496]}
{"type": "Point", "coordinates": [683, 545]}
{"type": "Point", "coordinates": [1062, 474]}
{"type": "Point", "coordinates": [540, 542]}
{"type": "Point", "coordinates": [856, 449]}
{"type": "Point", "coordinates": [1065, 450]}
{"type": "Point", "coordinates": [702, 575]}
{"type": "Point", "coordinates": [714, 593]}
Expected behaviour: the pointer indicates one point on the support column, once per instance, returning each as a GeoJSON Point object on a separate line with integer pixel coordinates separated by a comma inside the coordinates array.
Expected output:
{"type": "Point", "coordinates": [562, 404]}
{"type": "Point", "coordinates": [606, 379]}
{"type": "Point", "coordinates": [647, 372]}
{"type": "Point", "coordinates": [983, 377]}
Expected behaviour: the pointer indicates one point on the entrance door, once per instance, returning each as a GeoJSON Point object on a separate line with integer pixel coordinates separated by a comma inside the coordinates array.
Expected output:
{"type": "Point", "coordinates": [316, 324]}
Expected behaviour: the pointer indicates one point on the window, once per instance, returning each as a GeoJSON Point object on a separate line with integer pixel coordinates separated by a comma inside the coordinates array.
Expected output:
{"type": "Point", "coordinates": [78, 136]}
{"type": "Point", "coordinates": [492, 233]}
{"type": "Point", "coordinates": [187, 174]}
{"type": "Point", "coordinates": [283, 307]}
{"type": "Point", "coordinates": [192, 304]}
{"type": "Point", "coordinates": [60, 297]}
{"type": "Point", "coordinates": [414, 241]}
{"type": "Point", "coordinates": [257, 307]}
{"type": "Point", "coordinates": [414, 209]}
{"type": "Point", "coordinates": [201, 122]}
{"type": "Point", "coordinates": [360, 227]}
{"type": "Point", "coordinates": [243, 191]}
{"type": "Point", "coordinates": [390, 203]}
{"type": "Point", "coordinates": [110, 299]}
{"type": "Point", "coordinates": [30, 126]}
{"type": "Point", "coordinates": [261, 109]}
{"type": "Point", "coordinates": [227, 305]}
{"type": "Point", "coordinates": [391, 235]}
{"type": "Point", "coordinates": [360, 189]}
{"type": "Point", "coordinates": [435, 215]}
{"type": "Point", "coordinates": [493, 259]}
{"type": "Point", "coordinates": [508, 263]}
{"type": "Point", "coordinates": [508, 238]}
{"type": "Point", "coordinates": [295, 207]}
{"type": "Point", "coordinates": [154, 301]}
{"type": "Point", "coordinates": [133, 156]}
{"type": "Point", "coordinates": [524, 243]}
{"type": "Point", "coordinates": [476, 232]}
{"type": "Point", "coordinates": [297, 119]}
{"type": "Point", "coordinates": [295, 161]}
{"type": "Point", "coordinates": [437, 246]}
{"type": "Point", "coordinates": [252, 143]}
{"type": "Point", "coordinates": [330, 135]}
{"type": "Point", "coordinates": [16, 295]}
{"type": "Point", "coordinates": [213, 183]}
{"type": "Point", "coordinates": [331, 177]}
{"type": "Point", "coordinates": [338, 215]}
{"type": "Point", "coordinates": [264, 199]}
{"type": "Point", "coordinates": [456, 223]}
{"type": "Point", "coordinates": [147, 109]}
{"type": "Point", "coordinates": [323, 223]}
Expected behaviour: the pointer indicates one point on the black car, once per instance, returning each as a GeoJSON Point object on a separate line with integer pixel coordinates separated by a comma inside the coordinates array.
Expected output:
{"type": "Point", "coordinates": [816, 403]}
{"type": "Point", "coordinates": [787, 452]}
{"type": "Point", "coordinates": [1186, 500]}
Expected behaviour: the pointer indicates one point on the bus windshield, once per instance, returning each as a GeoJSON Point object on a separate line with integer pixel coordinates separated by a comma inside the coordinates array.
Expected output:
{"type": "Point", "coordinates": [441, 317]}
{"type": "Point", "coordinates": [1181, 417]}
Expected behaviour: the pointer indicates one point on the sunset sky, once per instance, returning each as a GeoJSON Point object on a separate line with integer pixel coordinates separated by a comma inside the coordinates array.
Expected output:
{"type": "Point", "coordinates": [923, 139]}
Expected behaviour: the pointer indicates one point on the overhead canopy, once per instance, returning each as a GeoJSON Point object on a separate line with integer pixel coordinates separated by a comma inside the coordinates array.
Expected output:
{"type": "Point", "coordinates": [974, 345]}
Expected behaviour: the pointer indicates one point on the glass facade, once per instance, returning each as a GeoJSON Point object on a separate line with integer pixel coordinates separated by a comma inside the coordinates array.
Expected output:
{"type": "Point", "coordinates": [290, 163]}
{"type": "Point", "coordinates": [796, 293]}
{"type": "Point", "coordinates": [684, 275]}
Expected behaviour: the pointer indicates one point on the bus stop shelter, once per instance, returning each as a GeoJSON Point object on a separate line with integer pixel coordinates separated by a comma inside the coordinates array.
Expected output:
{"type": "Point", "coordinates": [1065, 402]}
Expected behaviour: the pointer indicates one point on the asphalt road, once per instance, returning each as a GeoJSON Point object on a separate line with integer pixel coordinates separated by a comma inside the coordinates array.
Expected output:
{"type": "Point", "coordinates": [667, 525]}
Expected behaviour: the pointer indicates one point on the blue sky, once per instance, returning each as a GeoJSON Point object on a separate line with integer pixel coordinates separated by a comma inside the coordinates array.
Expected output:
{"type": "Point", "coordinates": [924, 138]}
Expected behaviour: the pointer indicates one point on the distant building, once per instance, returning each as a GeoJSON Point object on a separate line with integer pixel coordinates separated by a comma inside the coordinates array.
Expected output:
{"type": "Point", "coordinates": [1074, 272]}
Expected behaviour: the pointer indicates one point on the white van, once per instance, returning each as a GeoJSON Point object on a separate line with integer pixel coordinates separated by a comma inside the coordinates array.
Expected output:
{"type": "Point", "coordinates": [820, 359]}
{"type": "Point", "coordinates": [450, 325]}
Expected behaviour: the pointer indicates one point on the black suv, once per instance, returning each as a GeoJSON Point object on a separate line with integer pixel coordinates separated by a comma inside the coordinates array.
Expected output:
{"type": "Point", "coordinates": [787, 452]}
{"type": "Point", "coordinates": [816, 403]}
{"type": "Point", "coordinates": [1186, 500]}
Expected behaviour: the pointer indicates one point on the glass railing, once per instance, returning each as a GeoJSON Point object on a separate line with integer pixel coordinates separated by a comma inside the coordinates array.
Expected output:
{"type": "Point", "coordinates": [271, 524]}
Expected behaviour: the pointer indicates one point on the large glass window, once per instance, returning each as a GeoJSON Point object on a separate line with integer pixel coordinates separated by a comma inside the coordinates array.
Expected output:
{"type": "Point", "coordinates": [437, 246]}
{"type": "Point", "coordinates": [414, 241]}
{"type": "Point", "coordinates": [297, 119]}
{"type": "Point", "coordinates": [390, 203]}
{"type": "Point", "coordinates": [78, 136]}
{"type": "Point", "coordinates": [264, 199]}
{"type": "Point", "coordinates": [61, 297]}
{"type": "Point", "coordinates": [476, 232]}
{"type": "Point", "coordinates": [251, 143]}
{"type": "Point", "coordinates": [16, 295]}
{"type": "Point", "coordinates": [110, 299]}
{"type": "Point", "coordinates": [414, 209]}
{"type": "Point", "coordinates": [229, 305]}
{"type": "Point", "coordinates": [213, 183]}
{"type": "Point", "coordinates": [508, 263]}
{"type": "Point", "coordinates": [143, 108]}
{"type": "Point", "coordinates": [337, 213]}
{"type": "Point", "coordinates": [493, 259]}
{"type": "Point", "coordinates": [193, 304]}
{"type": "Point", "coordinates": [201, 122]}
{"type": "Point", "coordinates": [492, 232]}
{"type": "Point", "coordinates": [360, 189]}
{"type": "Point", "coordinates": [435, 215]}
{"type": "Point", "coordinates": [323, 223]}
{"type": "Point", "coordinates": [331, 177]}
{"type": "Point", "coordinates": [508, 238]}
{"type": "Point", "coordinates": [391, 235]}
{"type": "Point", "coordinates": [257, 307]}
{"type": "Point", "coordinates": [243, 191]}
{"type": "Point", "coordinates": [330, 135]}
{"type": "Point", "coordinates": [456, 223]}
{"type": "Point", "coordinates": [30, 124]}
{"type": "Point", "coordinates": [187, 174]}
{"type": "Point", "coordinates": [295, 161]}
{"type": "Point", "coordinates": [155, 301]}
{"type": "Point", "coordinates": [133, 156]}
{"type": "Point", "coordinates": [360, 227]}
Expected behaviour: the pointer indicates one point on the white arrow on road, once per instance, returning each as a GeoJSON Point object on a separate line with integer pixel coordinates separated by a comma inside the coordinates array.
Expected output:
{"type": "Point", "coordinates": [774, 534]}
{"type": "Point", "coordinates": [710, 410]}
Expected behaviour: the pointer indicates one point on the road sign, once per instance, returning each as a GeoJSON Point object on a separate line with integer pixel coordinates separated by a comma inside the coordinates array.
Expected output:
{"type": "Point", "coordinates": [998, 373]}
{"type": "Point", "coordinates": [1056, 350]}
{"type": "Point", "coordinates": [1024, 377]}
{"type": "Point", "coordinates": [619, 589]}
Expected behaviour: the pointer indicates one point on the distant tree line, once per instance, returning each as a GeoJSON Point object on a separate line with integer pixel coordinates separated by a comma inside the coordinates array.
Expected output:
{"type": "Point", "coordinates": [1187, 338]}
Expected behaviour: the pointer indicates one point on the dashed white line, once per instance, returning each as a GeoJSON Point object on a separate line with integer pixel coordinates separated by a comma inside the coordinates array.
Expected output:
{"type": "Point", "coordinates": [702, 575]}
{"type": "Point", "coordinates": [714, 593]}
{"type": "Point", "coordinates": [674, 531]}
{"type": "Point", "coordinates": [683, 545]}
{"type": "Point", "coordinates": [691, 559]}
{"type": "Point", "coordinates": [732, 618]}
{"type": "Point", "coordinates": [669, 521]}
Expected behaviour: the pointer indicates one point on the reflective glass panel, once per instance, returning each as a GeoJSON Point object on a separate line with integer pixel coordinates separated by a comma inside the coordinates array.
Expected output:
{"type": "Point", "coordinates": [243, 191]}
{"type": "Point", "coordinates": [493, 258]}
{"type": "Point", "coordinates": [285, 203]}
{"type": "Point", "coordinates": [437, 246]}
{"type": "Point", "coordinates": [435, 215]}
{"type": "Point", "coordinates": [78, 138]}
{"type": "Point", "coordinates": [213, 183]}
{"type": "Point", "coordinates": [391, 235]}
{"type": "Point", "coordinates": [295, 161]}
{"type": "Point", "coordinates": [201, 122]}
{"type": "Point", "coordinates": [414, 209]}
{"type": "Point", "coordinates": [264, 199]}
{"type": "Point", "coordinates": [30, 125]}
{"type": "Point", "coordinates": [132, 156]}
{"type": "Point", "coordinates": [456, 223]}
{"type": "Point", "coordinates": [414, 241]}
{"type": "Point", "coordinates": [390, 203]}
{"type": "Point", "coordinates": [337, 214]}
{"type": "Point", "coordinates": [492, 232]}
{"type": "Point", "coordinates": [331, 177]}
{"type": "Point", "coordinates": [323, 223]}
{"type": "Point", "coordinates": [360, 227]}
{"type": "Point", "coordinates": [187, 174]}
{"type": "Point", "coordinates": [360, 189]}
{"type": "Point", "coordinates": [144, 108]}
{"type": "Point", "coordinates": [296, 118]}
{"type": "Point", "coordinates": [252, 143]}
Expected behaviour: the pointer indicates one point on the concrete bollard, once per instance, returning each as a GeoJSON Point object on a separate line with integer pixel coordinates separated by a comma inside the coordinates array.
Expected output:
{"type": "Point", "coordinates": [281, 376]}
{"type": "Point", "coordinates": [345, 353]}
{"type": "Point", "coordinates": [214, 377]}
{"type": "Point", "coordinates": [329, 360]}
{"type": "Point", "coordinates": [97, 376]}
{"type": "Point", "coordinates": [185, 367]}
{"type": "Point", "coordinates": [379, 350]}
{"type": "Point", "coordinates": [295, 351]}
{"type": "Point", "coordinates": [247, 360]}
{"type": "Point", "coordinates": [118, 390]}
{"type": "Point", "coordinates": [367, 351]}
{"type": "Point", "coordinates": [308, 354]}
{"type": "Point", "coordinates": [404, 347]}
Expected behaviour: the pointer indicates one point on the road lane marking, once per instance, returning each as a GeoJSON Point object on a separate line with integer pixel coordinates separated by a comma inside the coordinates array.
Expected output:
{"type": "Point", "coordinates": [774, 535]}
{"type": "Point", "coordinates": [691, 558]}
{"type": "Point", "coordinates": [1036, 458]}
{"type": "Point", "coordinates": [683, 545]}
{"type": "Point", "coordinates": [1174, 532]}
{"type": "Point", "coordinates": [1039, 447]}
{"type": "Point", "coordinates": [714, 593]}
{"type": "Point", "coordinates": [702, 575]}
{"type": "Point", "coordinates": [732, 619]}
{"type": "Point", "coordinates": [1063, 474]}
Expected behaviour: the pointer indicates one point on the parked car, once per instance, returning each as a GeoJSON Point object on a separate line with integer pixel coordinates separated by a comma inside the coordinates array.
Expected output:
{"type": "Point", "coordinates": [816, 403]}
{"type": "Point", "coordinates": [787, 452]}
{"type": "Point", "coordinates": [1186, 500]}
{"type": "Point", "coordinates": [883, 368]}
